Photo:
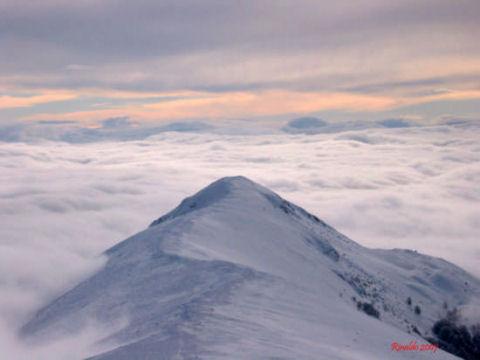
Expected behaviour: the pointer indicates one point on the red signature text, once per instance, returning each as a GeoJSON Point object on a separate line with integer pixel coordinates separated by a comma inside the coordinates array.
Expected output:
{"type": "Point", "coordinates": [413, 346]}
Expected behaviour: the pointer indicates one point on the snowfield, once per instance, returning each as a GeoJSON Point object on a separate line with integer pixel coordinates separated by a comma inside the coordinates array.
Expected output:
{"type": "Point", "coordinates": [236, 272]}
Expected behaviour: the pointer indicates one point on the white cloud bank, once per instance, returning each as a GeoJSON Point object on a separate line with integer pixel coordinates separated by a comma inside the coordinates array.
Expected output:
{"type": "Point", "coordinates": [63, 204]}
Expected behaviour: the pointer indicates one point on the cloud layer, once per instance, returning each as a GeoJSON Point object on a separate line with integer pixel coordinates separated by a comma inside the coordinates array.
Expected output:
{"type": "Point", "coordinates": [388, 186]}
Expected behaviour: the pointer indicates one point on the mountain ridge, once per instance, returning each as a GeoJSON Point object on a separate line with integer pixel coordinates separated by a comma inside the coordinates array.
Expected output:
{"type": "Point", "coordinates": [237, 242]}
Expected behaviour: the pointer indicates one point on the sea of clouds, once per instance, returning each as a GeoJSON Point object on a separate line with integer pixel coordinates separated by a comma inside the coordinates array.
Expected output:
{"type": "Point", "coordinates": [63, 204]}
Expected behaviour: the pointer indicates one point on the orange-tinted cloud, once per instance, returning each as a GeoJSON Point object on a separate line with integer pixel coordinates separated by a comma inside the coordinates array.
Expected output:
{"type": "Point", "coordinates": [234, 105]}
{"type": "Point", "coordinates": [8, 101]}
{"type": "Point", "coordinates": [229, 106]}
{"type": "Point", "coordinates": [273, 102]}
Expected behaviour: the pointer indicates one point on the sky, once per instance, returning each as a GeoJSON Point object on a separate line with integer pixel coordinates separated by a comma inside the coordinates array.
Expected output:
{"type": "Point", "coordinates": [366, 113]}
{"type": "Point", "coordinates": [260, 62]}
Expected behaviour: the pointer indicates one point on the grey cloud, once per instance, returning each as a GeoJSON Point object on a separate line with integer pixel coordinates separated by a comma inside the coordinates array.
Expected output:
{"type": "Point", "coordinates": [117, 122]}
{"type": "Point", "coordinates": [150, 27]}
{"type": "Point", "coordinates": [172, 45]}
{"type": "Point", "coordinates": [460, 121]}
{"type": "Point", "coordinates": [312, 125]}
{"type": "Point", "coordinates": [369, 139]}
{"type": "Point", "coordinates": [395, 123]}
{"type": "Point", "coordinates": [304, 125]}
{"type": "Point", "coordinates": [55, 206]}
{"type": "Point", "coordinates": [426, 169]}
{"type": "Point", "coordinates": [110, 189]}
{"type": "Point", "coordinates": [63, 205]}
{"type": "Point", "coordinates": [419, 87]}
{"type": "Point", "coordinates": [355, 184]}
{"type": "Point", "coordinates": [186, 127]}
{"type": "Point", "coordinates": [56, 122]}
{"type": "Point", "coordinates": [261, 159]}
{"type": "Point", "coordinates": [112, 129]}
{"type": "Point", "coordinates": [11, 132]}
{"type": "Point", "coordinates": [12, 193]}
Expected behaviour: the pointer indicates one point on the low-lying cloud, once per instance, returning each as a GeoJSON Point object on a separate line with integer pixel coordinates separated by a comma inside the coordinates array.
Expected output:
{"type": "Point", "coordinates": [387, 186]}
{"type": "Point", "coordinates": [111, 129]}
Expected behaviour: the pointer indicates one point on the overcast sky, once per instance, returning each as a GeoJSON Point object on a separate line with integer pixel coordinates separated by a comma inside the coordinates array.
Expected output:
{"type": "Point", "coordinates": [221, 61]}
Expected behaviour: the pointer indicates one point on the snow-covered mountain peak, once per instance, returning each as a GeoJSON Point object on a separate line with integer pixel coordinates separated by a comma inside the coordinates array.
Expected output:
{"type": "Point", "coordinates": [235, 271]}
{"type": "Point", "coordinates": [238, 186]}
{"type": "Point", "coordinates": [240, 193]}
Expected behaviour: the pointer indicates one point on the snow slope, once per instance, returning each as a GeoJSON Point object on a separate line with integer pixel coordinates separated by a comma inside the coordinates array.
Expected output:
{"type": "Point", "coordinates": [237, 272]}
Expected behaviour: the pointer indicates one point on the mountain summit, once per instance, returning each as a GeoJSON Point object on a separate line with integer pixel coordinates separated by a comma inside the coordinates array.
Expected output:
{"type": "Point", "coordinates": [237, 272]}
